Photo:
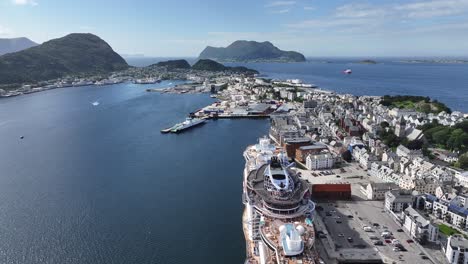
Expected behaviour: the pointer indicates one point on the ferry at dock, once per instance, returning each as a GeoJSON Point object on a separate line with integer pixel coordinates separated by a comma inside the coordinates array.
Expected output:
{"type": "Point", "coordinates": [188, 123]}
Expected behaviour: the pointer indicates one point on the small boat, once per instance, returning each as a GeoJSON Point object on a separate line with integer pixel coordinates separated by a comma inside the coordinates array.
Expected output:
{"type": "Point", "coordinates": [95, 103]}
{"type": "Point", "coordinates": [22, 137]}
{"type": "Point", "coordinates": [213, 96]}
{"type": "Point", "coordinates": [347, 71]}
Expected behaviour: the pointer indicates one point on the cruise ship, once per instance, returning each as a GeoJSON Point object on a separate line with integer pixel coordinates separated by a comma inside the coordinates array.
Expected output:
{"type": "Point", "coordinates": [278, 216]}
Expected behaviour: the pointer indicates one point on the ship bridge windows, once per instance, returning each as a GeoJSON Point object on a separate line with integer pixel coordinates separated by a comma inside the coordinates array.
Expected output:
{"type": "Point", "coordinates": [279, 177]}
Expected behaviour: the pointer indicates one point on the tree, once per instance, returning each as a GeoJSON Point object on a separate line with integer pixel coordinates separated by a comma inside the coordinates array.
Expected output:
{"type": "Point", "coordinates": [463, 161]}
{"type": "Point", "coordinates": [384, 124]}
{"type": "Point", "coordinates": [346, 156]}
{"type": "Point", "coordinates": [426, 108]}
{"type": "Point", "coordinates": [415, 144]}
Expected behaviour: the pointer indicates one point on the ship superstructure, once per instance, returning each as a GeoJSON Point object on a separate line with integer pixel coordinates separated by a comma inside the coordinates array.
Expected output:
{"type": "Point", "coordinates": [278, 214]}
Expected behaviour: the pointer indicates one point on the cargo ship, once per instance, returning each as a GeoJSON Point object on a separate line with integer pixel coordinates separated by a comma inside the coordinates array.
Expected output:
{"type": "Point", "coordinates": [188, 123]}
{"type": "Point", "coordinates": [278, 216]}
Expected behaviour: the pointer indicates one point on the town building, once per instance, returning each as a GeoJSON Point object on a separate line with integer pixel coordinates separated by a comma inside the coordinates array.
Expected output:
{"type": "Point", "coordinates": [377, 190]}
{"type": "Point", "coordinates": [319, 161]}
{"type": "Point", "coordinates": [396, 201]}
{"type": "Point", "coordinates": [420, 228]}
{"type": "Point", "coordinates": [456, 251]}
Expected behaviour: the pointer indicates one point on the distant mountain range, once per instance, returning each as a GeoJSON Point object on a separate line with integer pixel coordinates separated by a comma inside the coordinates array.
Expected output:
{"type": "Point", "coordinates": [248, 51]}
{"type": "Point", "coordinates": [69, 55]}
{"type": "Point", "coordinates": [9, 45]}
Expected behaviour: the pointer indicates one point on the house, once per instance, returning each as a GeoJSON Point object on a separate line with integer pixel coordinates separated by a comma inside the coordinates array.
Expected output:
{"type": "Point", "coordinates": [462, 178]}
{"type": "Point", "coordinates": [456, 251]}
{"type": "Point", "coordinates": [403, 151]}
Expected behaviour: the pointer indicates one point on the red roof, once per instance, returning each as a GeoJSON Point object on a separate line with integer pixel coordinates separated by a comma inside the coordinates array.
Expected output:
{"type": "Point", "coordinates": [331, 188]}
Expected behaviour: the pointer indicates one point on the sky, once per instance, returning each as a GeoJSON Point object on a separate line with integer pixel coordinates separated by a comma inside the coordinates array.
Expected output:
{"type": "Point", "coordinates": [183, 28]}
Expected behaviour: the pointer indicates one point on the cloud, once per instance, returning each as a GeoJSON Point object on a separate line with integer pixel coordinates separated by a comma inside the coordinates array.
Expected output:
{"type": "Point", "coordinates": [25, 2]}
{"type": "Point", "coordinates": [281, 3]}
{"type": "Point", "coordinates": [282, 11]}
{"type": "Point", "coordinates": [309, 8]}
{"type": "Point", "coordinates": [323, 23]}
{"type": "Point", "coordinates": [415, 16]}
{"type": "Point", "coordinates": [359, 11]}
{"type": "Point", "coordinates": [434, 8]}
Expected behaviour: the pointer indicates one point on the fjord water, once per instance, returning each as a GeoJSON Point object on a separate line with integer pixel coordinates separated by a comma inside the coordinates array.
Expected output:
{"type": "Point", "coordinates": [101, 184]}
{"type": "Point", "coordinates": [445, 82]}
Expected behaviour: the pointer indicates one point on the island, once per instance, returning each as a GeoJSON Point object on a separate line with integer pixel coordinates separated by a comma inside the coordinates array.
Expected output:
{"type": "Point", "coordinates": [72, 54]}
{"type": "Point", "coordinates": [367, 62]}
{"type": "Point", "coordinates": [211, 65]}
{"type": "Point", "coordinates": [250, 51]}
{"type": "Point", "coordinates": [173, 64]}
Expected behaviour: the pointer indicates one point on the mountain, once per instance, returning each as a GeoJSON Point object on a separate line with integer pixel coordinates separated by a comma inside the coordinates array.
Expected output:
{"type": "Point", "coordinates": [76, 53]}
{"type": "Point", "coordinates": [211, 65]}
{"type": "Point", "coordinates": [173, 64]}
{"type": "Point", "coordinates": [244, 51]}
{"type": "Point", "coordinates": [15, 44]}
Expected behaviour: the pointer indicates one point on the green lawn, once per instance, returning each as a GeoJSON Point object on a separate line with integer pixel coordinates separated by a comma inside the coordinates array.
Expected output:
{"type": "Point", "coordinates": [447, 230]}
{"type": "Point", "coordinates": [404, 104]}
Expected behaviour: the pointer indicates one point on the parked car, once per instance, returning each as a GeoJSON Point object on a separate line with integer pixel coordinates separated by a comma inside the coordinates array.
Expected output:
{"type": "Point", "coordinates": [378, 243]}
{"type": "Point", "coordinates": [338, 221]}
{"type": "Point", "coordinates": [410, 241]}
{"type": "Point", "coordinates": [350, 239]}
{"type": "Point", "coordinates": [400, 230]}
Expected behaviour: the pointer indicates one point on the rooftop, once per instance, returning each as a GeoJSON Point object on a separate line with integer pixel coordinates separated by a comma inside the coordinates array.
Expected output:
{"type": "Point", "coordinates": [458, 242]}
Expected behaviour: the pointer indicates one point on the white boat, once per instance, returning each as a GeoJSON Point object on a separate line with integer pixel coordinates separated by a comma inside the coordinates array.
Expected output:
{"type": "Point", "coordinates": [188, 123]}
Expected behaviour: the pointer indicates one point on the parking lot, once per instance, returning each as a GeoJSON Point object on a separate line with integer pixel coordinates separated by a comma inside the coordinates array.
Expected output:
{"type": "Point", "coordinates": [345, 221]}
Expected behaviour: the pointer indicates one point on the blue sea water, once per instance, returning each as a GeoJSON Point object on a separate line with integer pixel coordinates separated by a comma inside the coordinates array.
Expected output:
{"type": "Point", "coordinates": [445, 82]}
{"type": "Point", "coordinates": [101, 184]}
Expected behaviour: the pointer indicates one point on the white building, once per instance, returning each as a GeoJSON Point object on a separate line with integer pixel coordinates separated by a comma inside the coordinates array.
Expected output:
{"type": "Point", "coordinates": [462, 178]}
{"type": "Point", "coordinates": [403, 151]}
{"type": "Point", "coordinates": [419, 227]}
{"type": "Point", "coordinates": [320, 161]}
{"type": "Point", "coordinates": [457, 250]}
{"type": "Point", "coordinates": [376, 191]}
